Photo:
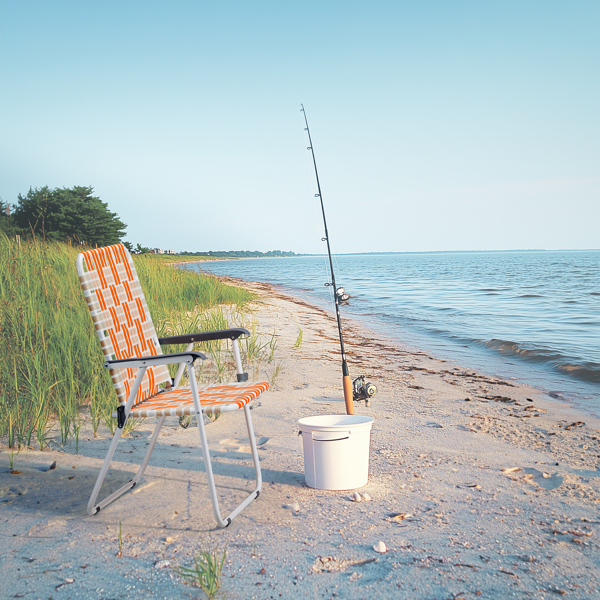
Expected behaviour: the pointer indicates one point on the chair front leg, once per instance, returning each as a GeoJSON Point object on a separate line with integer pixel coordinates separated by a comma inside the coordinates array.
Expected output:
{"type": "Point", "coordinates": [207, 463]}
{"type": "Point", "coordinates": [205, 452]}
{"type": "Point", "coordinates": [91, 507]}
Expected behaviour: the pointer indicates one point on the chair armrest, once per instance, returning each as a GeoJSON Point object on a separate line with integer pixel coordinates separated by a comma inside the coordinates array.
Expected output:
{"type": "Point", "coordinates": [153, 361]}
{"type": "Point", "coordinates": [204, 336]}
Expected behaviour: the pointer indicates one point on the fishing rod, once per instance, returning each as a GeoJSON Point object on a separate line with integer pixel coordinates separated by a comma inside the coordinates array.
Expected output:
{"type": "Point", "coordinates": [357, 389]}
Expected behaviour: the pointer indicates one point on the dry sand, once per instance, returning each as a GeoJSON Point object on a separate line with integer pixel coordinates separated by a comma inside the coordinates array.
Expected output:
{"type": "Point", "coordinates": [441, 438]}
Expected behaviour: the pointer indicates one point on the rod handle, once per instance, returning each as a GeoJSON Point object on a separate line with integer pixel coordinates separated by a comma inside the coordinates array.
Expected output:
{"type": "Point", "coordinates": [348, 396]}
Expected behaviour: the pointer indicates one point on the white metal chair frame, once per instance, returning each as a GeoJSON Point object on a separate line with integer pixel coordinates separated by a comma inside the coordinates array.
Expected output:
{"type": "Point", "coordinates": [184, 359]}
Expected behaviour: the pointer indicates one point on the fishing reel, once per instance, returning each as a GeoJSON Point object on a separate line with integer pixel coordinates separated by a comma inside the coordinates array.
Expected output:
{"type": "Point", "coordinates": [341, 295]}
{"type": "Point", "coordinates": [363, 390]}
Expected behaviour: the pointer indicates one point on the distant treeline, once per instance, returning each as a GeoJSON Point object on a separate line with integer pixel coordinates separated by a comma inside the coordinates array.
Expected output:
{"type": "Point", "coordinates": [240, 253]}
{"type": "Point", "coordinates": [76, 215]}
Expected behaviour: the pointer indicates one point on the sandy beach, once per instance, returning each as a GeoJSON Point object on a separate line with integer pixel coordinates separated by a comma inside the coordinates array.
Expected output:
{"type": "Point", "coordinates": [480, 488]}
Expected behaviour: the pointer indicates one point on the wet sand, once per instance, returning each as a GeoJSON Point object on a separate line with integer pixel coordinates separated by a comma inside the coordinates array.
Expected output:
{"type": "Point", "coordinates": [480, 488]}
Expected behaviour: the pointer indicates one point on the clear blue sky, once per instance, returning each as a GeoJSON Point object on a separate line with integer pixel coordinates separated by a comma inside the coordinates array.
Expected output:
{"type": "Point", "coordinates": [437, 125]}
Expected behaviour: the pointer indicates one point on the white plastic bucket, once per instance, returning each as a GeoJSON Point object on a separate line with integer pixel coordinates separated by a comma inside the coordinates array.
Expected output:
{"type": "Point", "coordinates": [336, 451]}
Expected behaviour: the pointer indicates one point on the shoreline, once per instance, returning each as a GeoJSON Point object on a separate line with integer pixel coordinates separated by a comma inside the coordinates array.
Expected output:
{"type": "Point", "coordinates": [274, 289]}
{"type": "Point", "coordinates": [498, 487]}
{"type": "Point", "coordinates": [535, 337]}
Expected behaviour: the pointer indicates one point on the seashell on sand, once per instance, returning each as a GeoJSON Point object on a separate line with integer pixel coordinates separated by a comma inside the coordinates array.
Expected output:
{"type": "Point", "coordinates": [380, 547]}
{"type": "Point", "coordinates": [356, 497]}
{"type": "Point", "coordinates": [366, 497]}
{"type": "Point", "coordinates": [296, 507]}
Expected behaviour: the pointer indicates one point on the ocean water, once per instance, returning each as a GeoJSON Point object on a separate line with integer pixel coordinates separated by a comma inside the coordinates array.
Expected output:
{"type": "Point", "coordinates": [531, 315]}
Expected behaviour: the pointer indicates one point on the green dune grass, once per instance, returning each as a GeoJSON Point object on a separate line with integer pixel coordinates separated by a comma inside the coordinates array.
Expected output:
{"type": "Point", "coordinates": [51, 362]}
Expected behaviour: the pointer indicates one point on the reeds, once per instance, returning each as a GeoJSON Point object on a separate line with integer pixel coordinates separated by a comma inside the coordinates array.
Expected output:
{"type": "Point", "coordinates": [50, 357]}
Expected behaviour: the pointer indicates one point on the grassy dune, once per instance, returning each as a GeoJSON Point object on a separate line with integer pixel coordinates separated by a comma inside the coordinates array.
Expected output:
{"type": "Point", "coordinates": [49, 352]}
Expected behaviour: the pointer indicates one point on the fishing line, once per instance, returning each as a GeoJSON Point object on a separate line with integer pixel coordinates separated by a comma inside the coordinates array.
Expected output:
{"type": "Point", "coordinates": [338, 270]}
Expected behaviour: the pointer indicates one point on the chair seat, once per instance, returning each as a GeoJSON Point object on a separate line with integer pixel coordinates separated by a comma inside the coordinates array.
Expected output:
{"type": "Point", "coordinates": [214, 399]}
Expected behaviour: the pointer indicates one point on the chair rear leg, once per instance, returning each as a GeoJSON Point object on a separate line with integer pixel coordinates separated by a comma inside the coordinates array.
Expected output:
{"type": "Point", "coordinates": [254, 450]}
{"type": "Point", "coordinates": [234, 513]}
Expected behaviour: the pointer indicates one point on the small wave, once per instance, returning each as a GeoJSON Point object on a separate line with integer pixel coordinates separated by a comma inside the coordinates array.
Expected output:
{"type": "Point", "coordinates": [509, 347]}
{"type": "Point", "coordinates": [586, 372]}
{"type": "Point", "coordinates": [581, 372]}
{"type": "Point", "coordinates": [531, 296]}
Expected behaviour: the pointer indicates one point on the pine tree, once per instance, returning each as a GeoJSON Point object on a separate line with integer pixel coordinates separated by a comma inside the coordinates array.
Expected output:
{"type": "Point", "coordinates": [64, 213]}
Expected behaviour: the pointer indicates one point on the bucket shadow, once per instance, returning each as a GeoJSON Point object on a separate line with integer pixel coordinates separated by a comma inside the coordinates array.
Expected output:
{"type": "Point", "coordinates": [327, 399]}
{"type": "Point", "coordinates": [548, 483]}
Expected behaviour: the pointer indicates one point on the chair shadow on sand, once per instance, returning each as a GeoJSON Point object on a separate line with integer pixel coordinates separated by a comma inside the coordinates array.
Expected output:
{"type": "Point", "coordinates": [64, 491]}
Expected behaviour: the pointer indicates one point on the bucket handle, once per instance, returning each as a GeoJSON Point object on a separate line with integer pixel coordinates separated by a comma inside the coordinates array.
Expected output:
{"type": "Point", "coordinates": [316, 439]}
{"type": "Point", "coordinates": [327, 440]}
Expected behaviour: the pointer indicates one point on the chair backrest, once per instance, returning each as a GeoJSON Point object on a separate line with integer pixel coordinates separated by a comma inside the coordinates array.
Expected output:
{"type": "Point", "coordinates": [121, 317]}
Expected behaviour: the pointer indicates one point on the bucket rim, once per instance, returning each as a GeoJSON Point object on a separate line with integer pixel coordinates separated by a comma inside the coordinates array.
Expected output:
{"type": "Point", "coordinates": [346, 421]}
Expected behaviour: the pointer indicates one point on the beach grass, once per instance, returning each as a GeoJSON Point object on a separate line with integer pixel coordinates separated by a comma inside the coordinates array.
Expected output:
{"type": "Point", "coordinates": [206, 572]}
{"type": "Point", "coordinates": [299, 338]}
{"type": "Point", "coordinates": [52, 375]}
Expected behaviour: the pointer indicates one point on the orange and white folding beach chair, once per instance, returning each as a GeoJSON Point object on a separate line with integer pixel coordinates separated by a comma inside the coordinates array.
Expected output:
{"type": "Point", "coordinates": [138, 367]}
